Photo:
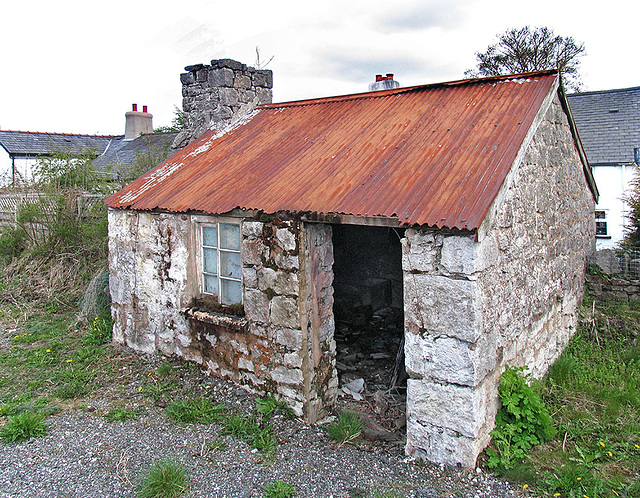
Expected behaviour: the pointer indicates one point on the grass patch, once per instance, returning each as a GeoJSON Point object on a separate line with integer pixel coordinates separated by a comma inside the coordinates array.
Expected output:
{"type": "Point", "coordinates": [252, 432]}
{"type": "Point", "coordinates": [269, 405]}
{"type": "Point", "coordinates": [347, 429]}
{"type": "Point", "coordinates": [593, 395]}
{"type": "Point", "coordinates": [121, 414]}
{"type": "Point", "coordinates": [23, 427]}
{"type": "Point", "coordinates": [164, 479]}
{"type": "Point", "coordinates": [196, 411]}
{"type": "Point", "coordinates": [279, 489]}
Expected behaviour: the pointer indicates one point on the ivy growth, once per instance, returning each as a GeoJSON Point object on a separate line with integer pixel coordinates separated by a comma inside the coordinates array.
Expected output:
{"type": "Point", "coordinates": [521, 423]}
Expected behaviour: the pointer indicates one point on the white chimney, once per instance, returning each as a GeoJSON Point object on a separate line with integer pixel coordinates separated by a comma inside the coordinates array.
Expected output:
{"type": "Point", "coordinates": [383, 83]}
{"type": "Point", "coordinates": [137, 123]}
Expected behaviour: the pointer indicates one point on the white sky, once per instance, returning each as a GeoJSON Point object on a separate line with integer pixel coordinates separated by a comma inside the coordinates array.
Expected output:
{"type": "Point", "coordinates": [77, 66]}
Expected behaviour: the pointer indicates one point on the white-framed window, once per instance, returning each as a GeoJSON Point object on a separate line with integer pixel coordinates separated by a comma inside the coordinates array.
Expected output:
{"type": "Point", "coordinates": [601, 223]}
{"type": "Point", "coordinates": [220, 265]}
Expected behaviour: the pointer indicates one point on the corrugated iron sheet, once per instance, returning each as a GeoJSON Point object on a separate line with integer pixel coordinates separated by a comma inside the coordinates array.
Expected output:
{"type": "Point", "coordinates": [432, 155]}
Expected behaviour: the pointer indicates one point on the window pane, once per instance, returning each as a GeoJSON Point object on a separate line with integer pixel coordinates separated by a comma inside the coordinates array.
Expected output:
{"type": "Point", "coordinates": [210, 285]}
{"type": "Point", "coordinates": [210, 236]}
{"type": "Point", "coordinates": [230, 236]}
{"type": "Point", "coordinates": [230, 264]}
{"type": "Point", "coordinates": [231, 292]}
{"type": "Point", "coordinates": [210, 263]}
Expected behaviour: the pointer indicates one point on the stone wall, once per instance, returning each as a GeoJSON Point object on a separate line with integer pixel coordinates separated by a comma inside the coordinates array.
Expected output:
{"type": "Point", "coordinates": [623, 289]}
{"type": "Point", "coordinates": [287, 274]}
{"type": "Point", "coordinates": [216, 95]}
{"type": "Point", "coordinates": [471, 307]}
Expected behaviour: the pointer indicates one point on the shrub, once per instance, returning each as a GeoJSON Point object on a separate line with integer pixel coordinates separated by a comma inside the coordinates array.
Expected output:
{"type": "Point", "coordinates": [23, 427]}
{"type": "Point", "coordinates": [165, 479]}
{"type": "Point", "coordinates": [346, 429]}
{"type": "Point", "coordinates": [522, 421]}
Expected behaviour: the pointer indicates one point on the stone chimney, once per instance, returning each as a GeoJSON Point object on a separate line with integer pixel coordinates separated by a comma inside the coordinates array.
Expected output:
{"type": "Point", "coordinates": [217, 95]}
{"type": "Point", "coordinates": [137, 123]}
{"type": "Point", "coordinates": [383, 83]}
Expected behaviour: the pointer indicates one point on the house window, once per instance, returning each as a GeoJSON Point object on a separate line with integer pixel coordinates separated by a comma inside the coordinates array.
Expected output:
{"type": "Point", "coordinates": [221, 270]}
{"type": "Point", "coordinates": [601, 224]}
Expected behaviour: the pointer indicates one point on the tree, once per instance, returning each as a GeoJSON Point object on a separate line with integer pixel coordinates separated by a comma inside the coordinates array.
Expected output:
{"type": "Point", "coordinates": [531, 49]}
{"type": "Point", "coordinates": [631, 238]}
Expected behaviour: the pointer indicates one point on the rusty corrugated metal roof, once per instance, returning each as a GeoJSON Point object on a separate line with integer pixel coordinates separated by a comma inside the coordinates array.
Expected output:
{"type": "Point", "coordinates": [430, 155]}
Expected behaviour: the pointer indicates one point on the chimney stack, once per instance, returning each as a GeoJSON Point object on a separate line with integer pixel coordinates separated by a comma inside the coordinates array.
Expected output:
{"type": "Point", "coordinates": [137, 123]}
{"type": "Point", "coordinates": [383, 83]}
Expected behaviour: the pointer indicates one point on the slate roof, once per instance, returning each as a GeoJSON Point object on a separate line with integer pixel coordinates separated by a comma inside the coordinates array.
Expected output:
{"type": "Point", "coordinates": [608, 124]}
{"type": "Point", "coordinates": [433, 155]}
{"type": "Point", "coordinates": [34, 144]}
{"type": "Point", "coordinates": [121, 154]}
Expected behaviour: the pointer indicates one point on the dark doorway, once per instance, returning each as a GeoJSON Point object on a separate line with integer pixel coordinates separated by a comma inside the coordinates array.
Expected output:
{"type": "Point", "coordinates": [368, 306]}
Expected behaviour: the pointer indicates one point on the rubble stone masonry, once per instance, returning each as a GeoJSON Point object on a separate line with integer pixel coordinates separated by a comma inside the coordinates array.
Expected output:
{"type": "Point", "coordinates": [511, 297]}
{"type": "Point", "coordinates": [216, 95]}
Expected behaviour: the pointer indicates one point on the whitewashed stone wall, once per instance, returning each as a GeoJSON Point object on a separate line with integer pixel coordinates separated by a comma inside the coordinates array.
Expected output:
{"type": "Point", "coordinates": [471, 307]}
{"type": "Point", "coordinates": [283, 344]}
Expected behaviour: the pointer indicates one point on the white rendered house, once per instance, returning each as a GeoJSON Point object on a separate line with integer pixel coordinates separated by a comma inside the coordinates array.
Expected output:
{"type": "Point", "coordinates": [608, 122]}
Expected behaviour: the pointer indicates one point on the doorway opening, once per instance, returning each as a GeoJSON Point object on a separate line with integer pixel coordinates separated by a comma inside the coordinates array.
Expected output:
{"type": "Point", "coordinates": [368, 311]}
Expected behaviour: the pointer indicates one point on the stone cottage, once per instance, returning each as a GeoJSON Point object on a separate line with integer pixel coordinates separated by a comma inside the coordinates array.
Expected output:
{"type": "Point", "coordinates": [464, 207]}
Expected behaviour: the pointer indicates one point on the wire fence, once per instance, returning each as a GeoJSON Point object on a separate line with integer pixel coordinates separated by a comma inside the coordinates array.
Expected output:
{"type": "Point", "coordinates": [624, 261]}
{"type": "Point", "coordinates": [11, 203]}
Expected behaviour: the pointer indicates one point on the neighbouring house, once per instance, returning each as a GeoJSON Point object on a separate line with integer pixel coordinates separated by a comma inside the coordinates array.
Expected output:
{"type": "Point", "coordinates": [138, 150]}
{"type": "Point", "coordinates": [118, 157]}
{"type": "Point", "coordinates": [609, 125]}
{"type": "Point", "coordinates": [23, 150]}
{"type": "Point", "coordinates": [464, 209]}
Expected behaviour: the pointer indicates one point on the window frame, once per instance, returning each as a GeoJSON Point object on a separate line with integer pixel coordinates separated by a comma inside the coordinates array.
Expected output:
{"type": "Point", "coordinates": [207, 222]}
{"type": "Point", "coordinates": [603, 221]}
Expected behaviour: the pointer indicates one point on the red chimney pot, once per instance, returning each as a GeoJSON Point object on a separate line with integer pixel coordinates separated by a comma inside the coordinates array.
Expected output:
{"type": "Point", "coordinates": [135, 107]}
{"type": "Point", "coordinates": [390, 76]}
{"type": "Point", "coordinates": [378, 77]}
{"type": "Point", "coordinates": [144, 108]}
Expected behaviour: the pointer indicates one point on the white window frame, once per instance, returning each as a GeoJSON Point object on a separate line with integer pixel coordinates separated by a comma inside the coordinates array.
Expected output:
{"type": "Point", "coordinates": [215, 223]}
{"type": "Point", "coordinates": [604, 219]}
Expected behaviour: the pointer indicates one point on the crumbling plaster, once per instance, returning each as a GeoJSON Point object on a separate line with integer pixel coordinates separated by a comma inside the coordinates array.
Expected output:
{"type": "Point", "coordinates": [283, 344]}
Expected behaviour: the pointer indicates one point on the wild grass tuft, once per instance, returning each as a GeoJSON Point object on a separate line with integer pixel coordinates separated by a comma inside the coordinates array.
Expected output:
{"type": "Point", "coordinates": [269, 405]}
{"type": "Point", "coordinates": [196, 411]}
{"type": "Point", "coordinates": [165, 479]}
{"type": "Point", "coordinates": [23, 427]}
{"type": "Point", "coordinates": [279, 489]}
{"type": "Point", "coordinates": [347, 429]}
{"type": "Point", "coordinates": [121, 414]}
{"type": "Point", "coordinates": [249, 430]}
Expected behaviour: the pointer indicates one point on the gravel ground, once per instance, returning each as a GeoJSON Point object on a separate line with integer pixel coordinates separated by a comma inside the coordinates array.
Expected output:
{"type": "Point", "coordinates": [84, 455]}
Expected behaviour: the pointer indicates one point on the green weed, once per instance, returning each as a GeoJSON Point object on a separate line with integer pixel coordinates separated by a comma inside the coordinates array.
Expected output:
{"type": "Point", "coordinates": [200, 411]}
{"type": "Point", "coordinates": [347, 429]}
{"type": "Point", "coordinates": [165, 479]}
{"type": "Point", "coordinates": [249, 430]}
{"type": "Point", "coordinates": [522, 421]}
{"type": "Point", "coordinates": [121, 414]}
{"type": "Point", "coordinates": [279, 489]}
{"type": "Point", "coordinates": [23, 427]}
{"type": "Point", "coordinates": [268, 405]}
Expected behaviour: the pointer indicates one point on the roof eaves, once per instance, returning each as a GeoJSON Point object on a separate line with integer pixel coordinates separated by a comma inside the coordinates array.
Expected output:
{"type": "Point", "coordinates": [574, 131]}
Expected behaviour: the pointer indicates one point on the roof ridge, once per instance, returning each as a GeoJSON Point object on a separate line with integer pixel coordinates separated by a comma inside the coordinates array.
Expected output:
{"type": "Point", "coordinates": [61, 134]}
{"type": "Point", "coordinates": [397, 91]}
{"type": "Point", "coordinates": [613, 90]}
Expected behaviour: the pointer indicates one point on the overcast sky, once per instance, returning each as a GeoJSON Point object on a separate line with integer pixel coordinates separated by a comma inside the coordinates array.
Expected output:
{"type": "Point", "coordinates": [77, 66]}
